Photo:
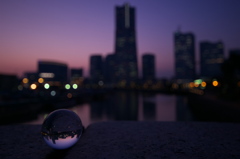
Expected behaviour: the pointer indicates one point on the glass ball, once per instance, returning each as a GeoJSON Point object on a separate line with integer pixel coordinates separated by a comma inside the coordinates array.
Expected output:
{"type": "Point", "coordinates": [61, 129]}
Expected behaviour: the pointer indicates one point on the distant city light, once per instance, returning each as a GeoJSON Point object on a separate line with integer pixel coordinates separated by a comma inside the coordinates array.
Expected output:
{"type": "Point", "coordinates": [46, 86]}
{"type": "Point", "coordinates": [46, 75]}
{"type": "Point", "coordinates": [203, 84]}
{"type": "Point", "coordinates": [175, 86]}
{"type": "Point", "coordinates": [238, 83]}
{"type": "Point", "coordinates": [67, 86]}
{"type": "Point", "coordinates": [75, 86]}
{"type": "Point", "coordinates": [20, 87]}
{"type": "Point", "coordinates": [191, 84]}
{"type": "Point", "coordinates": [100, 83]}
{"type": "Point", "coordinates": [25, 80]}
{"type": "Point", "coordinates": [40, 80]}
{"type": "Point", "coordinates": [215, 83]}
{"type": "Point", "coordinates": [198, 81]}
{"type": "Point", "coordinates": [33, 86]}
{"type": "Point", "coordinates": [69, 95]}
{"type": "Point", "coordinates": [53, 93]}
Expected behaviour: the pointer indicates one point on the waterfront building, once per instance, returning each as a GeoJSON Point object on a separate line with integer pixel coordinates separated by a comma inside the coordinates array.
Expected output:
{"type": "Point", "coordinates": [52, 71]}
{"type": "Point", "coordinates": [232, 64]}
{"type": "Point", "coordinates": [148, 67]}
{"type": "Point", "coordinates": [8, 83]}
{"type": "Point", "coordinates": [76, 75]}
{"type": "Point", "coordinates": [31, 76]}
{"type": "Point", "coordinates": [211, 59]}
{"type": "Point", "coordinates": [96, 68]}
{"type": "Point", "coordinates": [184, 53]}
{"type": "Point", "coordinates": [125, 45]}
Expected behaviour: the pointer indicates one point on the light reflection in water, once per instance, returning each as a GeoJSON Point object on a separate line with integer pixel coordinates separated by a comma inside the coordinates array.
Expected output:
{"type": "Point", "coordinates": [131, 106]}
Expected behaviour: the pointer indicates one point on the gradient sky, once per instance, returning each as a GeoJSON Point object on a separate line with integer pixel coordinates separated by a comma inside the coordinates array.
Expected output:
{"type": "Point", "coordinates": [70, 31]}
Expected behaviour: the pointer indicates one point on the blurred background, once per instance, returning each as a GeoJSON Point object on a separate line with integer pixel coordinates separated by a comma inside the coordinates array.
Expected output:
{"type": "Point", "coordinates": [114, 60]}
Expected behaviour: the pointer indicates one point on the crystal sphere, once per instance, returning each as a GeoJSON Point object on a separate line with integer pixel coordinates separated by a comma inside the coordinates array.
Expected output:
{"type": "Point", "coordinates": [61, 129]}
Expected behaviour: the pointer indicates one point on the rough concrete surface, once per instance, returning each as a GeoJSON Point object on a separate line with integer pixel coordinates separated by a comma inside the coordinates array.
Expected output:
{"type": "Point", "coordinates": [126, 139]}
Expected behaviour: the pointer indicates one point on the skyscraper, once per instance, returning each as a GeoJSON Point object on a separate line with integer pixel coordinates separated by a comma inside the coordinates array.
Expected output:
{"type": "Point", "coordinates": [211, 58]}
{"type": "Point", "coordinates": [184, 56]}
{"type": "Point", "coordinates": [125, 44]}
{"type": "Point", "coordinates": [109, 69]}
{"type": "Point", "coordinates": [148, 67]}
{"type": "Point", "coordinates": [96, 68]}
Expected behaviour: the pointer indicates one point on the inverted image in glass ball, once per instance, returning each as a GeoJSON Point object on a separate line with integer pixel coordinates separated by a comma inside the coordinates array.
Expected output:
{"type": "Point", "coordinates": [62, 129]}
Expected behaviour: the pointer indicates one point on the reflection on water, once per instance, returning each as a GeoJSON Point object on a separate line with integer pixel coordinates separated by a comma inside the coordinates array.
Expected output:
{"type": "Point", "coordinates": [132, 106]}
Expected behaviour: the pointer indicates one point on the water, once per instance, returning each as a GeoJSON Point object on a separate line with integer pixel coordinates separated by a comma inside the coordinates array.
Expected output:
{"type": "Point", "coordinates": [131, 106]}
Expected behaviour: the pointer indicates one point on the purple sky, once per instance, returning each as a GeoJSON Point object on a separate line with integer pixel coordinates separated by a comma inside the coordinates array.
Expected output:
{"type": "Point", "coordinates": [70, 31]}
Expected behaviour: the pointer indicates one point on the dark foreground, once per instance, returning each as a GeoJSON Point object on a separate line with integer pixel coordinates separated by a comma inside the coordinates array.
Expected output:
{"type": "Point", "coordinates": [129, 140]}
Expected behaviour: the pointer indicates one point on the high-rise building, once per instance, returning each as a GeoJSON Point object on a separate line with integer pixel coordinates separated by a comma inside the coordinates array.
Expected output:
{"type": "Point", "coordinates": [148, 67]}
{"type": "Point", "coordinates": [231, 66]}
{"type": "Point", "coordinates": [125, 44]}
{"type": "Point", "coordinates": [53, 71]}
{"type": "Point", "coordinates": [184, 53]}
{"type": "Point", "coordinates": [109, 68]}
{"type": "Point", "coordinates": [96, 68]}
{"type": "Point", "coordinates": [211, 59]}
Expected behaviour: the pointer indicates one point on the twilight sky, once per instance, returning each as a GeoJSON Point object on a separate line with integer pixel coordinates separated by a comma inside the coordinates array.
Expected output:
{"type": "Point", "coordinates": [70, 31]}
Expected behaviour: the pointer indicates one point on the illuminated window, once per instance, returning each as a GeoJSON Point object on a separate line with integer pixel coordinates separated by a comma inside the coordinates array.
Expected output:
{"type": "Point", "coordinates": [46, 75]}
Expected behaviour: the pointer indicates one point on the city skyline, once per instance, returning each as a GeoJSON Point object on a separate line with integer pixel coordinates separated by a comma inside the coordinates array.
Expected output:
{"type": "Point", "coordinates": [72, 32]}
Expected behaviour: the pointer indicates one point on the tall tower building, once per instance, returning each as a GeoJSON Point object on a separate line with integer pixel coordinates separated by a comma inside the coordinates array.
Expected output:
{"type": "Point", "coordinates": [96, 68]}
{"type": "Point", "coordinates": [125, 44]}
{"type": "Point", "coordinates": [211, 57]}
{"type": "Point", "coordinates": [184, 53]}
{"type": "Point", "coordinates": [148, 67]}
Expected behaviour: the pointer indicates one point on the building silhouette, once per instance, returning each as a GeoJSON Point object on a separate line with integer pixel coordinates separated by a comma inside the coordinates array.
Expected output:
{"type": "Point", "coordinates": [184, 53]}
{"type": "Point", "coordinates": [76, 74]}
{"type": "Point", "coordinates": [109, 69]}
{"type": "Point", "coordinates": [148, 67]}
{"type": "Point", "coordinates": [8, 83]}
{"type": "Point", "coordinates": [125, 45]}
{"type": "Point", "coordinates": [211, 59]}
{"type": "Point", "coordinates": [96, 68]}
{"type": "Point", "coordinates": [31, 76]}
{"type": "Point", "coordinates": [53, 71]}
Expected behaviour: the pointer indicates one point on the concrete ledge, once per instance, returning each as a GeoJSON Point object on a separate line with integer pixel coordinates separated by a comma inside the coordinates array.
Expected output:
{"type": "Point", "coordinates": [129, 140]}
